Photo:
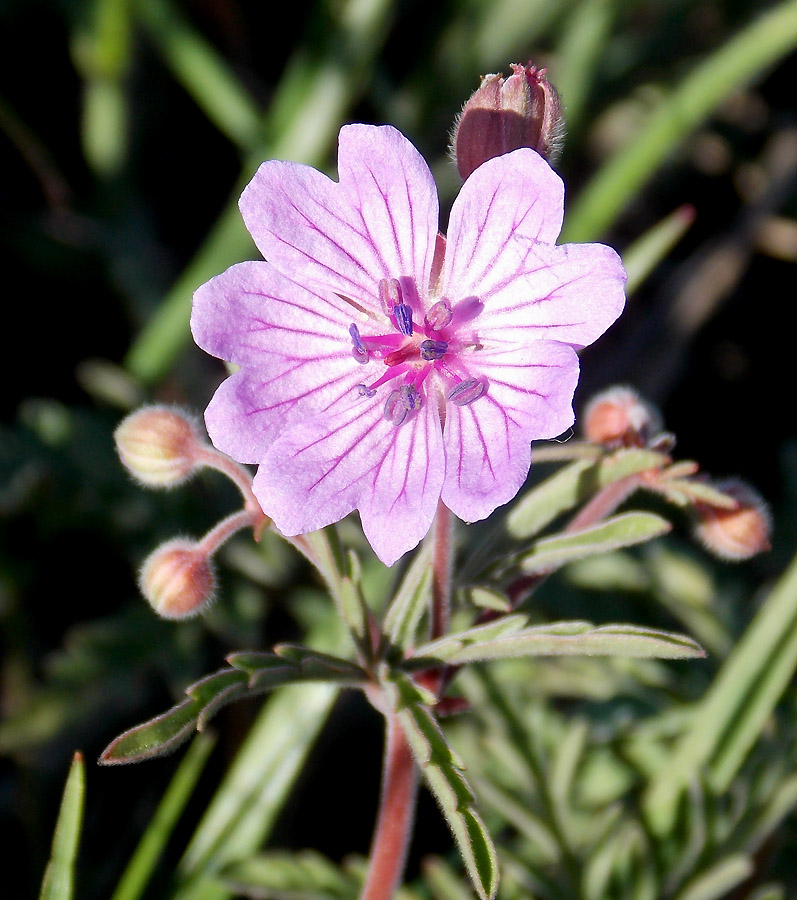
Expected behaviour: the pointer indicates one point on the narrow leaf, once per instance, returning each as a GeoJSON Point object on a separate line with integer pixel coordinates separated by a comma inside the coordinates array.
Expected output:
{"type": "Point", "coordinates": [59, 876]}
{"type": "Point", "coordinates": [411, 600]}
{"type": "Point", "coordinates": [442, 770]}
{"type": "Point", "coordinates": [720, 879]}
{"type": "Point", "coordinates": [561, 639]}
{"type": "Point", "coordinates": [622, 530]}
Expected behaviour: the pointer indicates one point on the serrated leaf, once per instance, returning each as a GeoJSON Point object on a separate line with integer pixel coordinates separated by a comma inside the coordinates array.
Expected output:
{"type": "Point", "coordinates": [569, 486]}
{"type": "Point", "coordinates": [623, 530]}
{"type": "Point", "coordinates": [442, 769]}
{"type": "Point", "coordinates": [59, 876]}
{"type": "Point", "coordinates": [316, 666]}
{"type": "Point", "coordinates": [411, 600]}
{"type": "Point", "coordinates": [453, 643]}
{"type": "Point", "coordinates": [561, 639]}
{"type": "Point", "coordinates": [156, 737]}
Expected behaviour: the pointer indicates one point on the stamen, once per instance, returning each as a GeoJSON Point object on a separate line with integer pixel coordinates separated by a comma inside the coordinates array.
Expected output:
{"type": "Point", "coordinates": [389, 294]}
{"type": "Point", "coordinates": [395, 409]}
{"type": "Point", "coordinates": [466, 392]}
{"type": "Point", "coordinates": [364, 391]}
{"type": "Point", "coordinates": [431, 350]}
{"type": "Point", "coordinates": [439, 315]}
{"type": "Point", "coordinates": [410, 397]}
{"type": "Point", "coordinates": [403, 314]}
{"type": "Point", "coordinates": [359, 350]}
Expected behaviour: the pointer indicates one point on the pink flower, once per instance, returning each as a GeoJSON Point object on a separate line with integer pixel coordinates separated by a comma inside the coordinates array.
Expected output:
{"type": "Point", "coordinates": [383, 368]}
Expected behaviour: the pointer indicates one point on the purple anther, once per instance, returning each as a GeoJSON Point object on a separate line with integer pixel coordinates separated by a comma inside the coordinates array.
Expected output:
{"type": "Point", "coordinates": [359, 350]}
{"type": "Point", "coordinates": [431, 350]}
{"type": "Point", "coordinates": [439, 315]}
{"type": "Point", "coordinates": [364, 391]}
{"type": "Point", "coordinates": [466, 392]}
{"type": "Point", "coordinates": [389, 294]}
{"type": "Point", "coordinates": [410, 396]}
{"type": "Point", "coordinates": [395, 409]}
{"type": "Point", "coordinates": [403, 314]}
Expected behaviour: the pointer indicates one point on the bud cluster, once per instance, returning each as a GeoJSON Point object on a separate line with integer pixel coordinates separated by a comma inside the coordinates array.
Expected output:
{"type": "Point", "coordinates": [162, 447]}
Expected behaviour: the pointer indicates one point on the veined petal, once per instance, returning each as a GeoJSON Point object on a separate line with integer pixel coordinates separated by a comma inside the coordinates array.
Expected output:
{"type": "Point", "coordinates": [252, 311]}
{"type": "Point", "coordinates": [379, 221]}
{"type": "Point", "coordinates": [570, 293]}
{"type": "Point", "coordinates": [351, 457]}
{"type": "Point", "coordinates": [512, 199]}
{"type": "Point", "coordinates": [488, 442]}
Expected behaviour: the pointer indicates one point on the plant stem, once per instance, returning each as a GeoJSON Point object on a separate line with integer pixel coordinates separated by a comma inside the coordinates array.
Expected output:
{"type": "Point", "coordinates": [395, 818]}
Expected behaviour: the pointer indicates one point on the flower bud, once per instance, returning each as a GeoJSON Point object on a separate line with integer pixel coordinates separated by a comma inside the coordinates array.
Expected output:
{"type": "Point", "coordinates": [618, 416]}
{"type": "Point", "coordinates": [158, 445]}
{"type": "Point", "coordinates": [177, 579]}
{"type": "Point", "coordinates": [735, 534]}
{"type": "Point", "coordinates": [506, 114]}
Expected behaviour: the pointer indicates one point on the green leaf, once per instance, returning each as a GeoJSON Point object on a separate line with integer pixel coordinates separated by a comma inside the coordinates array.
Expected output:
{"type": "Point", "coordinates": [442, 769]}
{"type": "Point", "coordinates": [623, 530]}
{"type": "Point", "coordinates": [251, 673]}
{"type": "Point", "coordinates": [411, 600]}
{"type": "Point", "coordinates": [59, 876]}
{"type": "Point", "coordinates": [647, 251]}
{"type": "Point", "coordinates": [141, 867]}
{"type": "Point", "coordinates": [558, 639]}
{"type": "Point", "coordinates": [569, 486]}
{"type": "Point", "coordinates": [291, 876]}
{"type": "Point", "coordinates": [719, 879]}
{"type": "Point", "coordinates": [768, 38]}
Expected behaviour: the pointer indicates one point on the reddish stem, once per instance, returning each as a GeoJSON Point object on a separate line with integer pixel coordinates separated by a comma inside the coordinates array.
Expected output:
{"type": "Point", "coordinates": [396, 815]}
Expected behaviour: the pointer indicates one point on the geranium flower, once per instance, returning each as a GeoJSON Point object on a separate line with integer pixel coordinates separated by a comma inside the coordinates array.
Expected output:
{"type": "Point", "coordinates": [383, 367]}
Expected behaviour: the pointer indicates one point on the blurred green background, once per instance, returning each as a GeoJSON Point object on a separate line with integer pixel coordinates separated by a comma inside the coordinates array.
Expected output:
{"type": "Point", "coordinates": [127, 129]}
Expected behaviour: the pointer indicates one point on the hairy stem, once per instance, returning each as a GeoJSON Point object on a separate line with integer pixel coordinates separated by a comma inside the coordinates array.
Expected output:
{"type": "Point", "coordinates": [395, 818]}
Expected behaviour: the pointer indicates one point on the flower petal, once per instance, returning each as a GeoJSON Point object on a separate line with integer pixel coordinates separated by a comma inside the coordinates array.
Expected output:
{"type": "Point", "coordinates": [379, 221]}
{"type": "Point", "coordinates": [295, 349]}
{"type": "Point", "coordinates": [349, 458]}
{"type": "Point", "coordinates": [516, 198]}
{"type": "Point", "coordinates": [571, 293]}
{"type": "Point", "coordinates": [488, 442]}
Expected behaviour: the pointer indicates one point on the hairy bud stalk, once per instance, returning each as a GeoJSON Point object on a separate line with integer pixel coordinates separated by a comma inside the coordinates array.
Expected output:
{"type": "Point", "coordinates": [505, 114]}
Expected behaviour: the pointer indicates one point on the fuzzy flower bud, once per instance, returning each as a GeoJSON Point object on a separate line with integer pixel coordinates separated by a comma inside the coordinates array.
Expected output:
{"type": "Point", "coordinates": [506, 114]}
{"type": "Point", "coordinates": [735, 534]}
{"type": "Point", "coordinates": [618, 416]}
{"type": "Point", "coordinates": [158, 445]}
{"type": "Point", "coordinates": [177, 579]}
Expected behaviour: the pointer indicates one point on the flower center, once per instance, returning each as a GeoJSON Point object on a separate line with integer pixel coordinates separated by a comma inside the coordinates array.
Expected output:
{"type": "Point", "coordinates": [412, 352]}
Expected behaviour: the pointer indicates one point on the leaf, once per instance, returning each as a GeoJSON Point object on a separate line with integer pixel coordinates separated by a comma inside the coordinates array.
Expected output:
{"type": "Point", "coordinates": [293, 876]}
{"type": "Point", "coordinates": [719, 879]}
{"type": "Point", "coordinates": [623, 530]}
{"type": "Point", "coordinates": [251, 673]}
{"type": "Point", "coordinates": [59, 876]}
{"type": "Point", "coordinates": [442, 769]}
{"type": "Point", "coordinates": [558, 639]}
{"type": "Point", "coordinates": [411, 600]}
{"type": "Point", "coordinates": [569, 486]}
{"type": "Point", "coordinates": [150, 849]}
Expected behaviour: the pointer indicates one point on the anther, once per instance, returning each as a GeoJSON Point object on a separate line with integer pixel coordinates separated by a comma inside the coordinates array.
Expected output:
{"type": "Point", "coordinates": [364, 391]}
{"type": "Point", "coordinates": [389, 294]}
{"type": "Point", "coordinates": [439, 315]}
{"type": "Point", "coordinates": [410, 397]}
{"type": "Point", "coordinates": [431, 350]}
{"type": "Point", "coordinates": [403, 314]}
{"type": "Point", "coordinates": [466, 392]}
{"type": "Point", "coordinates": [395, 409]}
{"type": "Point", "coordinates": [359, 350]}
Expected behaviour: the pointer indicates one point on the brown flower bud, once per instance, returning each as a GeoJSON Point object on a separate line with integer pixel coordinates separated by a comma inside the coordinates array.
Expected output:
{"type": "Point", "coordinates": [735, 534]}
{"type": "Point", "coordinates": [158, 445]}
{"type": "Point", "coordinates": [177, 579]}
{"type": "Point", "coordinates": [505, 114]}
{"type": "Point", "coordinates": [619, 417]}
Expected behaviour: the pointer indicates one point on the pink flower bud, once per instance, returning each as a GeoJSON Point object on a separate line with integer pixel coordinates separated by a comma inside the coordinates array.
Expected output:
{"type": "Point", "coordinates": [158, 445]}
{"type": "Point", "coordinates": [619, 417]}
{"type": "Point", "coordinates": [506, 114]}
{"type": "Point", "coordinates": [177, 579]}
{"type": "Point", "coordinates": [735, 534]}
